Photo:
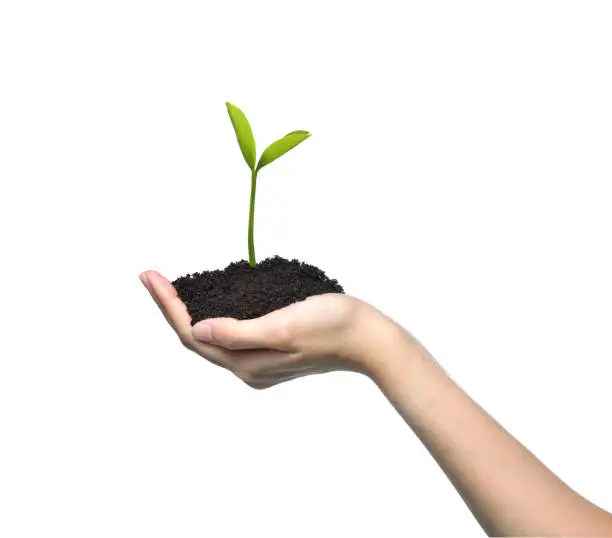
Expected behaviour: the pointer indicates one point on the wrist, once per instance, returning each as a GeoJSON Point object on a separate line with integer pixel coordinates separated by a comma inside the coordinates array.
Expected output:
{"type": "Point", "coordinates": [382, 348]}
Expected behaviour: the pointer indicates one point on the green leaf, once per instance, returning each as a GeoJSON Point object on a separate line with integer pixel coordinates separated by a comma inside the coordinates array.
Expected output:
{"type": "Point", "coordinates": [244, 134]}
{"type": "Point", "coordinates": [282, 146]}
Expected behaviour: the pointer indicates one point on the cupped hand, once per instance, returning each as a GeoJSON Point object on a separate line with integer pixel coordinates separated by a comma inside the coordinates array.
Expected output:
{"type": "Point", "coordinates": [320, 334]}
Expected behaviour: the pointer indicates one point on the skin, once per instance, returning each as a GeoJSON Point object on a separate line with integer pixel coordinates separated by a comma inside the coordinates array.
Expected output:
{"type": "Point", "coordinates": [508, 490]}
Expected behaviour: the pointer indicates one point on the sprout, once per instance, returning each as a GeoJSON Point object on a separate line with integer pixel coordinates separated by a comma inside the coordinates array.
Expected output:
{"type": "Point", "coordinates": [246, 141]}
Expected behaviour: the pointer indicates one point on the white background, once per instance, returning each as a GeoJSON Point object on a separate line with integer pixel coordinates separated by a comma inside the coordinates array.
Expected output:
{"type": "Point", "coordinates": [457, 178]}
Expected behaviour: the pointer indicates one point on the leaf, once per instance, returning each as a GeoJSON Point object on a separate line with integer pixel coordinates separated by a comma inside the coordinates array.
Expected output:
{"type": "Point", "coordinates": [281, 146]}
{"type": "Point", "coordinates": [244, 134]}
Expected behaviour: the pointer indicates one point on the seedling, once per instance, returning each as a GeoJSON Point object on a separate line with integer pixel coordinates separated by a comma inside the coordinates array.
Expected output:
{"type": "Point", "coordinates": [248, 290]}
{"type": "Point", "coordinates": [246, 141]}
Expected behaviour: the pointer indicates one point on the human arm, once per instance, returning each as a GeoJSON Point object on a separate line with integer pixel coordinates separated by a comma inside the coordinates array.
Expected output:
{"type": "Point", "coordinates": [509, 491]}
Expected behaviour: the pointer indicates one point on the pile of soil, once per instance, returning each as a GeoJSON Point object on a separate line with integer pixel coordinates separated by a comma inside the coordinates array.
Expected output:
{"type": "Point", "coordinates": [244, 292]}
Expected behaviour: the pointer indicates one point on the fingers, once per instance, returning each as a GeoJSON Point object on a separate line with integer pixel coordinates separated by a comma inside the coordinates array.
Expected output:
{"type": "Point", "coordinates": [263, 368]}
{"type": "Point", "coordinates": [176, 314]}
{"type": "Point", "coordinates": [254, 350]}
{"type": "Point", "coordinates": [169, 302]}
{"type": "Point", "coordinates": [270, 331]}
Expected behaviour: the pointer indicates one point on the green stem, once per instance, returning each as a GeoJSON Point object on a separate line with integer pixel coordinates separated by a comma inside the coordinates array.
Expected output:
{"type": "Point", "coordinates": [252, 261]}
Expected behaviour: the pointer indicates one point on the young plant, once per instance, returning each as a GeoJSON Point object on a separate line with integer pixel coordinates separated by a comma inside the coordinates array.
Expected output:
{"type": "Point", "coordinates": [246, 141]}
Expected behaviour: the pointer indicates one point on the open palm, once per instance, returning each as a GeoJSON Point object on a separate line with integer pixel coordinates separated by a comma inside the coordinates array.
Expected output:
{"type": "Point", "coordinates": [313, 336]}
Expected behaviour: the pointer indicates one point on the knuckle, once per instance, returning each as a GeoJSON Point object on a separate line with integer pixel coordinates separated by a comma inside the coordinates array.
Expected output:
{"type": "Point", "coordinates": [227, 341]}
{"type": "Point", "coordinates": [251, 378]}
{"type": "Point", "coordinates": [246, 375]}
{"type": "Point", "coordinates": [185, 339]}
{"type": "Point", "coordinates": [287, 333]}
{"type": "Point", "coordinates": [257, 385]}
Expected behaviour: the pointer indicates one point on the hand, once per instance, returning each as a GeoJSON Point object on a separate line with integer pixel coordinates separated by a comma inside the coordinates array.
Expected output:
{"type": "Point", "coordinates": [320, 334]}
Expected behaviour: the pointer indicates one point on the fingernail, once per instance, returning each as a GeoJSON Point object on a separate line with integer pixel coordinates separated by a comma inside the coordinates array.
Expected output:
{"type": "Point", "coordinates": [202, 332]}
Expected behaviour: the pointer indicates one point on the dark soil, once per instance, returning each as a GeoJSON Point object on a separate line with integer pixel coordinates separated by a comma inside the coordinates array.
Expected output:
{"type": "Point", "coordinates": [243, 292]}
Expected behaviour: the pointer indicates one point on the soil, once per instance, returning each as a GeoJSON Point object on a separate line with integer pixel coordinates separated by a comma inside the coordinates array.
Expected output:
{"type": "Point", "coordinates": [243, 292]}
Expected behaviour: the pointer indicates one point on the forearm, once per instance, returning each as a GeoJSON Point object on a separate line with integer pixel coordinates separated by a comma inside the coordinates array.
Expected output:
{"type": "Point", "coordinates": [509, 491]}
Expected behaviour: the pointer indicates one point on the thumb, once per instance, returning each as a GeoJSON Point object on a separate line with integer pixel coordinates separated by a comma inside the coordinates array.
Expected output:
{"type": "Point", "coordinates": [268, 331]}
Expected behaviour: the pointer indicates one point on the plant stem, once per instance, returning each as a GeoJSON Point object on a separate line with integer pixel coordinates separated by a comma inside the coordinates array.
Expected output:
{"type": "Point", "coordinates": [252, 261]}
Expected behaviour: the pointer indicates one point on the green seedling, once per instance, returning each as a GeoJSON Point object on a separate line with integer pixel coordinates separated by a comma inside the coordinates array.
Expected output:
{"type": "Point", "coordinates": [246, 141]}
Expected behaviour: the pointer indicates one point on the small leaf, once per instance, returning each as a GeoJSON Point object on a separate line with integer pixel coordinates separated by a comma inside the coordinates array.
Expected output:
{"type": "Point", "coordinates": [244, 134]}
{"type": "Point", "coordinates": [282, 146]}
